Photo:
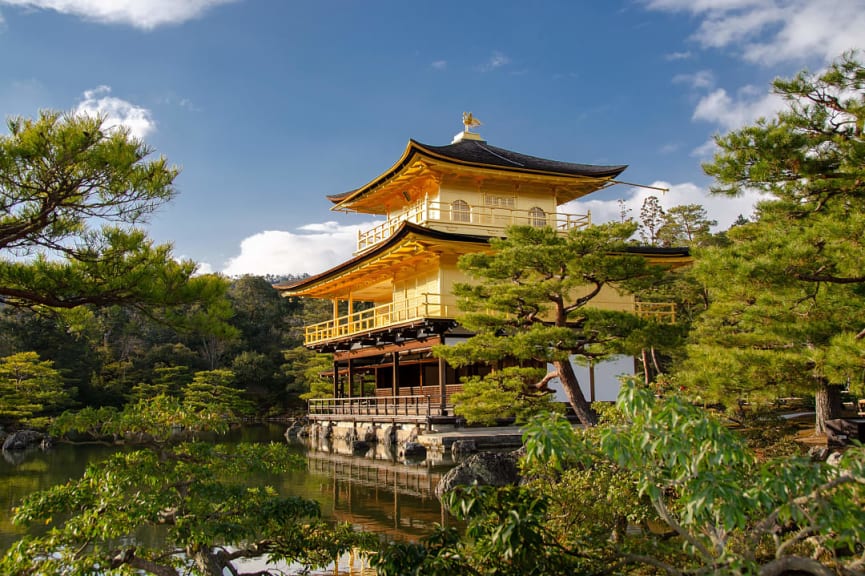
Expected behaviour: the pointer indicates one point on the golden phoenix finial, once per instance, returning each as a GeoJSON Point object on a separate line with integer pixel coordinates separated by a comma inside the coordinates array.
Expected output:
{"type": "Point", "coordinates": [469, 121]}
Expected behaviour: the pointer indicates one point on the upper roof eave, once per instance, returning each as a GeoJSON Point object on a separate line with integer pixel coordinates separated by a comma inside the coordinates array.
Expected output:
{"type": "Point", "coordinates": [479, 154]}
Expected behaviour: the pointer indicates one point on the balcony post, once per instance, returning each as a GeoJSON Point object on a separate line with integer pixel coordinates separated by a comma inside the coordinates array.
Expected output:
{"type": "Point", "coordinates": [442, 387]}
{"type": "Point", "coordinates": [335, 379]}
{"type": "Point", "coordinates": [350, 376]}
{"type": "Point", "coordinates": [395, 384]}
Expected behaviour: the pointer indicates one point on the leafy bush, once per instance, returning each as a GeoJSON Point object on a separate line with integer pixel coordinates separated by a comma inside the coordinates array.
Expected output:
{"type": "Point", "coordinates": [664, 486]}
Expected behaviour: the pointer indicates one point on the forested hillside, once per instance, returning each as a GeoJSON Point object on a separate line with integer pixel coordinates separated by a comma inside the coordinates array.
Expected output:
{"type": "Point", "coordinates": [108, 356]}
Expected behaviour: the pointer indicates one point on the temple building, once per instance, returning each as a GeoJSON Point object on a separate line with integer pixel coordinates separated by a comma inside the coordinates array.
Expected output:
{"type": "Point", "coordinates": [392, 300]}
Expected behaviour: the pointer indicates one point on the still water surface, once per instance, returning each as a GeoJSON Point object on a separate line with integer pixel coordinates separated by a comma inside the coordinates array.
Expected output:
{"type": "Point", "coordinates": [372, 492]}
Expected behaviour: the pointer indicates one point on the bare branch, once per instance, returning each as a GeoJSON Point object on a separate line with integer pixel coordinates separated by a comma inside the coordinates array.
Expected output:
{"type": "Point", "coordinates": [794, 564]}
{"type": "Point", "coordinates": [665, 515]}
{"type": "Point", "coordinates": [542, 384]}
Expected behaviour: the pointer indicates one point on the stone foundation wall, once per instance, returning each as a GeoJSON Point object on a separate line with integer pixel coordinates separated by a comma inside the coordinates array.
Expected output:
{"type": "Point", "coordinates": [368, 432]}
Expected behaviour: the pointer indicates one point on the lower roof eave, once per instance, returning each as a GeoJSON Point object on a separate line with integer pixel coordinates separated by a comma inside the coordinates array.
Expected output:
{"type": "Point", "coordinates": [394, 334]}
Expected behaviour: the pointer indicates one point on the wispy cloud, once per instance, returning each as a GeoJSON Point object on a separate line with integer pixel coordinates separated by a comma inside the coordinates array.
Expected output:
{"type": "Point", "coordinates": [697, 80]}
{"type": "Point", "coordinates": [497, 60]}
{"type": "Point", "coordinates": [705, 151]}
{"type": "Point", "coordinates": [187, 104]}
{"type": "Point", "coordinates": [767, 32]}
{"type": "Point", "coordinates": [117, 112]}
{"type": "Point", "coordinates": [679, 55]}
{"type": "Point", "coordinates": [312, 249]}
{"type": "Point", "coordinates": [172, 99]}
{"type": "Point", "coordinates": [144, 14]}
{"type": "Point", "coordinates": [440, 64]}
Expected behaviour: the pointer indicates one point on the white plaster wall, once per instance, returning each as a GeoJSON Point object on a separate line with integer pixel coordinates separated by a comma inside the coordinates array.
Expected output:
{"type": "Point", "coordinates": [606, 379]}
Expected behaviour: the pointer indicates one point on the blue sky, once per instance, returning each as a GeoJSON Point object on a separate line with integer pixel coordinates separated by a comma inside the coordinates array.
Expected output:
{"type": "Point", "coordinates": [269, 105]}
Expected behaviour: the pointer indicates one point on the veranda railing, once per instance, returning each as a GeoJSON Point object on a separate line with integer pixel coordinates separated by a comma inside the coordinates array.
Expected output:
{"type": "Point", "coordinates": [469, 215]}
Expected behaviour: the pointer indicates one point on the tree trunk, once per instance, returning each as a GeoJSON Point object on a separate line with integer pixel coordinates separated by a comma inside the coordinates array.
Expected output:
{"type": "Point", "coordinates": [645, 361]}
{"type": "Point", "coordinates": [575, 395]}
{"type": "Point", "coordinates": [827, 403]}
{"type": "Point", "coordinates": [206, 560]}
{"type": "Point", "coordinates": [655, 363]}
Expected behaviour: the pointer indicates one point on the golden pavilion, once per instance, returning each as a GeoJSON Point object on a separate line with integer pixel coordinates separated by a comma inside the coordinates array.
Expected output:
{"type": "Point", "coordinates": [392, 300]}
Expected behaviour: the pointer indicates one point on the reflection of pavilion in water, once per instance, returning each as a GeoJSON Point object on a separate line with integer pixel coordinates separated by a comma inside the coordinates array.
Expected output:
{"type": "Point", "coordinates": [386, 497]}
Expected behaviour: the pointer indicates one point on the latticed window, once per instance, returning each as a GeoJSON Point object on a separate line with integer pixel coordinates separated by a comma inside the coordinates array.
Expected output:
{"type": "Point", "coordinates": [499, 201]}
{"type": "Point", "coordinates": [537, 217]}
{"type": "Point", "coordinates": [461, 211]}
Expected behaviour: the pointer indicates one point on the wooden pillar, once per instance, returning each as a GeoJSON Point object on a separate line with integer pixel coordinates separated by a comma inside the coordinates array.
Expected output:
{"type": "Point", "coordinates": [350, 377]}
{"type": "Point", "coordinates": [395, 385]}
{"type": "Point", "coordinates": [336, 393]}
{"type": "Point", "coordinates": [443, 386]}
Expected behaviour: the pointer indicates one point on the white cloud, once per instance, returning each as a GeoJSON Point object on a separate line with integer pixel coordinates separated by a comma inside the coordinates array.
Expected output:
{"type": "Point", "coordinates": [117, 112]}
{"type": "Point", "coordinates": [721, 208]}
{"type": "Point", "coordinates": [700, 79]}
{"type": "Point", "coordinates": [144, 14]}
{"type": "Point", "coordinates": [316, 248]}
{"type": "Point", "coordinates": [731, 113]}
{"type": "Point", "coordinates": [764, 32]}
{"type": "Point", "coordinates": [771, 31]}
{"type": "Point", "coordinates": [440, 64]}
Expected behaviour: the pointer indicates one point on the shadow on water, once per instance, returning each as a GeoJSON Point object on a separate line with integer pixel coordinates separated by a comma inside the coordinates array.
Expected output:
{"type": "Point", "coordinates": [374, 492]}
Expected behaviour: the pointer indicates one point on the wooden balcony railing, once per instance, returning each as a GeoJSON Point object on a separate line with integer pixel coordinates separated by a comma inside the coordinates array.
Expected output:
{"type": "Point", "coordinates": [663, 312]}
{"type": "Point", "coordinates": [471, 216]}
{"type": "Point", "coordinates": [429, 305]}
{"type": "Point", "coordinates": [423, 306]}
{"type": "Point", "coordinates": [414, 407]}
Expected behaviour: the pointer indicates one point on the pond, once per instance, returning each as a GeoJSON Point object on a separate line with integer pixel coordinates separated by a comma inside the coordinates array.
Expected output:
{"type": "Point", "coordinates": [371, 492]}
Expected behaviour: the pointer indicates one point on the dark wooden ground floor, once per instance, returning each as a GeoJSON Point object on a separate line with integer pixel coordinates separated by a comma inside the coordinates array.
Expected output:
{"type": "Point", "coordinates": [399, 369]}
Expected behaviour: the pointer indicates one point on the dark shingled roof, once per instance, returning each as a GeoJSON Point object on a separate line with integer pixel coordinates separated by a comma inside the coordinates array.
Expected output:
{"type": "Point", "coordinates": [480, 154]}
{"type": "Point", "coordinates": [659, 251]}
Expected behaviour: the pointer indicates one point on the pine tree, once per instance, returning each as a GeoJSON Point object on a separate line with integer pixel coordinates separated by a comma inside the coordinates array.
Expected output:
{"type": "Point", "coordinates": [788, 293]}
{"type": "Point", "coordinates": [534, 301]}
